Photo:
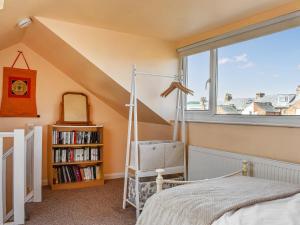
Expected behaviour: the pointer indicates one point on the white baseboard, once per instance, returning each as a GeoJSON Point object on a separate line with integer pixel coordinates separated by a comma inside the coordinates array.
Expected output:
{"type": "Point", "coordinates": [112, 176]}
{"type": "Point", "coordinates": [109, 176]}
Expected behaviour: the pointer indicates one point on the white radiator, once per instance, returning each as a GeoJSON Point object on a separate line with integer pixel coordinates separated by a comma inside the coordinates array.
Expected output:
{"type": "Point", "coordinates": [208, 163]}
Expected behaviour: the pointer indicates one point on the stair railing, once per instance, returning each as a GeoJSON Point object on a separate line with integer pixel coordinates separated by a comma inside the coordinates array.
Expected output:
{"type": "Point", "coordinates": [26, 153]}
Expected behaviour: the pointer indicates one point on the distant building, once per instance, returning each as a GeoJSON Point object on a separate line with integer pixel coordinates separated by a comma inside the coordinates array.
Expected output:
{"type": "Point", "coordinates": [294, 107]}
{"type": "Point", "coordinates": [278, 101]}
{"type": "Point", "coordinates": [262, 104]}
{"type": "Point", "coordinates": [261, 108]}
{"type": "Point", "coordinates": [233, 105]}
{"type": "Point", "coordinates": [227, 109]}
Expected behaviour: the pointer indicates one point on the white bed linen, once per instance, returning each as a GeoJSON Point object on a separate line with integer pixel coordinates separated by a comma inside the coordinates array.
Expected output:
{"type": "Point", "coordinates": [201, 203]}
{"type": "Point", "coordinates": [277, 212]}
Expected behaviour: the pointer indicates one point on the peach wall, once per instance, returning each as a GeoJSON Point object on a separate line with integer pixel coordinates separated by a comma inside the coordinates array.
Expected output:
{"type": "Point", "coordinates": [51, 84]}
{"type": "Point", "coordinates": [280, 143]}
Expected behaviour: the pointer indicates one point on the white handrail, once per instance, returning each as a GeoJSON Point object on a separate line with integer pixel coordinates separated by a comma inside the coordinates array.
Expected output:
{"type": "Point", "coordinates": [6, 134]}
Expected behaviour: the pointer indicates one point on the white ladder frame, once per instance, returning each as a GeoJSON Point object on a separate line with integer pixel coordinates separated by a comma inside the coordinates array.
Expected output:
{"type": "Point", "coordinates": [180, 111]}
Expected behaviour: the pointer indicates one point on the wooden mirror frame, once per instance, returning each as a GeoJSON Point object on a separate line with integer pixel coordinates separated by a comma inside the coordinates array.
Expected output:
{"type": "Point", "coordinates": [62, 119]}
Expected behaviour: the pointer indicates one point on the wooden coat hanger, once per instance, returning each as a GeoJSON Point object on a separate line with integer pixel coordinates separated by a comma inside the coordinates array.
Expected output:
{"type": "Point", "coordinates": [176, 85]}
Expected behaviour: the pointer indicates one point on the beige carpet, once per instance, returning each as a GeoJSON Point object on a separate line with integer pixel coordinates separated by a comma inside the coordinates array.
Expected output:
{"type": "Point", "coordinates": [90, 206]}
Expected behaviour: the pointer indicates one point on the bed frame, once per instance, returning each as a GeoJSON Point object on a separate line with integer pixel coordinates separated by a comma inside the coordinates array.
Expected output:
{"type": "Point", "coordinates": [160, 180]}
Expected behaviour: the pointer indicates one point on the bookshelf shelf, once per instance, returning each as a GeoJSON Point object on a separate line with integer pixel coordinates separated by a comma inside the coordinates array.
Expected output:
{"type": "Point", "coordinates": [77, 163]}
{"type": "Point", "coordinates": [80, 184]}
{"type": "Point", "coordinates": [76, 145]}
{"type": "Point", "coordinates": [72, 165]}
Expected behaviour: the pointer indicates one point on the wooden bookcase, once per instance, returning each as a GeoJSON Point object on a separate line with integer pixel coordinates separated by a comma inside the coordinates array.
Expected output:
{"type": "Point", "coordinates": [53, 166]}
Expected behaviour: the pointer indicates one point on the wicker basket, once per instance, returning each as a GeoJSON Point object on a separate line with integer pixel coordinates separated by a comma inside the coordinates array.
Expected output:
{"type": "Point", "coordinates": [147, 187]}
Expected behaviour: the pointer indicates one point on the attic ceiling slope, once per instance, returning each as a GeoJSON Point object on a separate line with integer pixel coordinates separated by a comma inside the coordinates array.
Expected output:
{"type": "Point", "coordinates": [114, 53]}
{"type": "Point", "coordinates": [168, 19]}
{"type": "Point", "coordinates": [40, 39]}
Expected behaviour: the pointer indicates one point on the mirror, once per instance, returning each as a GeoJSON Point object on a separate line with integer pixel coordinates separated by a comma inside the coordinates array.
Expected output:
{"type": "Point", "coordinates": [75, 108]}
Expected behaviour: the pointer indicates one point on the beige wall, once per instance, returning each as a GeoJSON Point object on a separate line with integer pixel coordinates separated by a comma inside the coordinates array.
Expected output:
{"type": "Point", "coordinates": [280, 143]}
{"type": "Point", "coordinates": [51, 84]}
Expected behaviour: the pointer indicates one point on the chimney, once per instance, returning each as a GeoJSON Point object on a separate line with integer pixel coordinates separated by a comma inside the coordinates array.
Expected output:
{"type": "Point", "coordinates": [228, 97]}
{"type": "Point", "coordinates": [298, 90]}
{"type": "Point", "coordinates": [260, 95]}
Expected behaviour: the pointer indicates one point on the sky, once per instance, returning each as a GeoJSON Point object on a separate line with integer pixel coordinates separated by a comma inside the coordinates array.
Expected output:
{"type": "Point", "coordinates": [269, 64]}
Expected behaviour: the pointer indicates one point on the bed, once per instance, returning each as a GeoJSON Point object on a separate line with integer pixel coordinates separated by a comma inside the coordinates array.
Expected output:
{"type": "Point", "coordinates": [233, 199]}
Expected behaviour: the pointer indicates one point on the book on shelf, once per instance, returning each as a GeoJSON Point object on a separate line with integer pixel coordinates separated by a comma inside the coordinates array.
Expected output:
{"type": "Point", "coordinates": [70, 174]}
{"type": "Point", "coordinates": [75, 137]}
{"type": "Point", "coordinates": [75, 155]}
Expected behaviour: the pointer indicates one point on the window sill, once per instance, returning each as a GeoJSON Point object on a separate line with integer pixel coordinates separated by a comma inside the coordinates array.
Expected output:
{"type": "Point", "coordinates": [277, 121]}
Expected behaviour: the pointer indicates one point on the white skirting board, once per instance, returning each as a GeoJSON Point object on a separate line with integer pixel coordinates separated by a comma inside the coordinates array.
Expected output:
{"type": "Point", "coordinates": [209, 163]}
{"type": "Point", "coordinates": [109, 176]}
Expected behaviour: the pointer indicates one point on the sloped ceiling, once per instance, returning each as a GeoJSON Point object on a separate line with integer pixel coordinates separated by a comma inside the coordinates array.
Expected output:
{"type": "Point", "coordinates": [167, 19]}
{"type": "Point", "coordinates": [47, 44]}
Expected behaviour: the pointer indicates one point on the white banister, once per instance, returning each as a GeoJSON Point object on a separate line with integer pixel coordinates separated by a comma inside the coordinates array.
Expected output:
{"type": "Point", "coordinates": [27, 173]}
{"type": "Point", "coordinates": [18, 177]}
{"type": "Point", "coordinates": [37, 166]}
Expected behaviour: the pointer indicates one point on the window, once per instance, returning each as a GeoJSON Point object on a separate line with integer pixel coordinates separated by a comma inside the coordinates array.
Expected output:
{"type": "Point", "coordinates": [197, 80]}
{"type": "Point", "coordinates": [260, 76]}
{"type": "Point", "coordinates": [252, 76]}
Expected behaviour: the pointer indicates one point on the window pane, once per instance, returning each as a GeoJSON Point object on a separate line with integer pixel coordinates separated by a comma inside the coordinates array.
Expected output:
{"type": "Point", "coordinates": [197, 77]}
{"type": "Point", "coordinates": [260, 76]}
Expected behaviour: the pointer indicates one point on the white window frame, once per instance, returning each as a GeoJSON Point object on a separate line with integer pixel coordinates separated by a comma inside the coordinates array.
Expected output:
{"type": "Point", "coordinates": [210, 116]}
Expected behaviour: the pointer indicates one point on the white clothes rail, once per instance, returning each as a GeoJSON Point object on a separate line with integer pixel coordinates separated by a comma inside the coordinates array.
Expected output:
{"type": "Point", "coordinates": [180, 107]}
{"type": "Point", "coordinates": [158, 75]}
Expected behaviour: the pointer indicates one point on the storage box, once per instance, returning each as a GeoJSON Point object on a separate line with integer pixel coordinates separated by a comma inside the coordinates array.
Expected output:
{"type": "Point", "coordinates": [157, 154]}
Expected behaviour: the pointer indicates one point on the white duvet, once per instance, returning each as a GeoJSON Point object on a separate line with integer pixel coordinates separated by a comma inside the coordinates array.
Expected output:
{"type": "Point", "coordinates": [212, 202]}
{"type": "Point", "coordinates": [277, 212]}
